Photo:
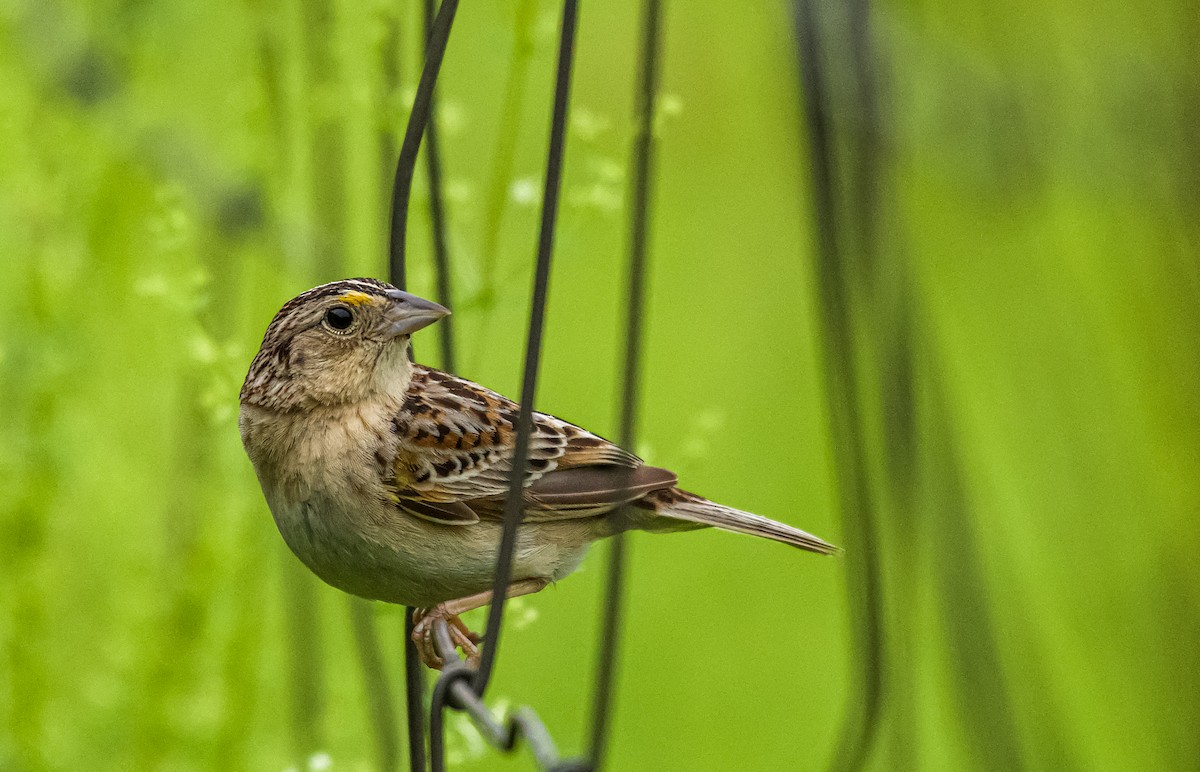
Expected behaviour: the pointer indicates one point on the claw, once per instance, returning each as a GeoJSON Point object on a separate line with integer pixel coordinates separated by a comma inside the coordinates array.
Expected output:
{"type": "Point", "coordinates": [460, 634]}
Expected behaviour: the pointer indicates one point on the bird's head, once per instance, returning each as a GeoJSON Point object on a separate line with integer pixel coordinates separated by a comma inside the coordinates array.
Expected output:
{"type": "Point", "coordinates": [337, 343]}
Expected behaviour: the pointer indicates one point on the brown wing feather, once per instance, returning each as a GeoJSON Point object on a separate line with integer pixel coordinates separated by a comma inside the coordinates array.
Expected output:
{"type": "Point", "coordinates": [590, 487]}
{"type": "Point", "coordinates": [446, 513]}
{"type": "Point", "coordinates": [455, 451]}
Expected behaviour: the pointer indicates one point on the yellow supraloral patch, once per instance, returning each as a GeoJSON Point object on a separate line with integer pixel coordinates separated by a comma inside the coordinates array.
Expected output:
{"type": "Point", "coordinates": [356, 298]}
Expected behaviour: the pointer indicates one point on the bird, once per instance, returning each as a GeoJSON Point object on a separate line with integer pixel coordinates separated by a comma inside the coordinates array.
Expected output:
{"type": "Point", "coordinates": [387, 478]}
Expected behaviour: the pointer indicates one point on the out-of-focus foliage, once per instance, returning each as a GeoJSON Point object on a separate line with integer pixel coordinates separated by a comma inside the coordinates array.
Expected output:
{"type": "Point", "coordinates": [171, 172]}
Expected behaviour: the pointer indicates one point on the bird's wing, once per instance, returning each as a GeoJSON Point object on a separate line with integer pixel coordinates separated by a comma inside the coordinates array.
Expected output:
{"type": "Point", "coordinates": [455, 451]}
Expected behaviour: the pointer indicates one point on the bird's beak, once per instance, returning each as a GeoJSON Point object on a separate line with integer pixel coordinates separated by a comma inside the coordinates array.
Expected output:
{"type": "Point", "coordinates": [410, 313]}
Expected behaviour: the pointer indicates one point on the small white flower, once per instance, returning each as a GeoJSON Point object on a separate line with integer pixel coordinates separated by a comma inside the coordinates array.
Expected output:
{"type": "Point", "coordinates": [670, 105]}
{"type": "Point", "coordinates": [587, 124]}
{"type": "Point", "coordinates": [451, 117]}
{"type": "Point", "coordinates": [524, 191]}
{"type": "Point", "coordinates": [459, 191]}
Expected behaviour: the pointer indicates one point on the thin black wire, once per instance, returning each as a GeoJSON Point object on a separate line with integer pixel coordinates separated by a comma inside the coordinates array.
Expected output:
{"type": "Point", "coordinates": [437, 214]}
{"type": "Point", "coordinates": [460, 686]}
{"type": "Point", "coordinates": [452, 687]}
{"type": "Point", "coordinates": [414, 696]}
{"type": "Point", "coordinates": [858, 506]}
{"type": "Point", "coordinates": [437, 38]}
{"type": "Point", "coordinates": [610, 628]}
{"type": "Point", "coordinates": [533, 347]}
{"type": "Point", "coordinates": [418, 120]}
{"type": "Point", "coordinates": [414, 688]}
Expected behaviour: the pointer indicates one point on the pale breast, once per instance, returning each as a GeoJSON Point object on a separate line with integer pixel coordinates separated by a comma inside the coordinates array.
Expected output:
{"type": "Point", "coordinates": [325, 473]}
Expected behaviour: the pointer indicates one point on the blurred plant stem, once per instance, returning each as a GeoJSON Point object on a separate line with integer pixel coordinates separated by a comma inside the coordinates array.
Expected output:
{"type": "Point", "coordinates": [376, 684]}
{"type": "Point", "coordinates": [27, 692]}
{"type": "Point", "coordinates": [498, 191]}
{"type": "Point", "coordinates": [844, 384]}
{"type": "Point", "coordinates": [508, 129]}
{"type": "Point", "coordinates": [874, 336]}
{"type": "Point", "coordinates": [289, 40]}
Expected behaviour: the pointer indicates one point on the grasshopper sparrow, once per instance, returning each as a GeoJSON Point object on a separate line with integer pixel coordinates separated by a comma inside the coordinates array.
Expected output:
{"type": "Point", "coordinates": [387, 478]}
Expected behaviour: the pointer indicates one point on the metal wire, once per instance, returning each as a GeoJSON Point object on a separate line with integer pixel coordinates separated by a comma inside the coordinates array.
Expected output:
{"type": "Point", "coordinates": [437, 38]}
{"type": "Point", "coordinates": [418, 120]}
{"type": "Point", "coordinates": [610, 627]}
{"type": "Point", "coordinates": [437, 213]}
{"type": "Point", "coordinates": [459, 686]}
{"type": "Point", "coordinates": [524, 723]}
{"type": "Point", "coordinates": [453, 689]}
{"type": "Point", "coordinates": [414, 696]}
{"type": "Point", "coordinates": [514, 502]}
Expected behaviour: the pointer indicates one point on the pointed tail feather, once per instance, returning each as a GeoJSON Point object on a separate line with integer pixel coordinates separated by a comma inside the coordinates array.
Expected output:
{"type": "Point", "coordinates": [673, 504]}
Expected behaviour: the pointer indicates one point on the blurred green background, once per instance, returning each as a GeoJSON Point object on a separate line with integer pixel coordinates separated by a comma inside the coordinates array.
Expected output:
{"type": "Point", "coordinates": [1025, 382]}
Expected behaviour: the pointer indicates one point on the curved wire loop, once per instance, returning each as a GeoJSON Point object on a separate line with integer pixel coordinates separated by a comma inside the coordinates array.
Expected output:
{"type": "Point", "coordinates": [453, 689]}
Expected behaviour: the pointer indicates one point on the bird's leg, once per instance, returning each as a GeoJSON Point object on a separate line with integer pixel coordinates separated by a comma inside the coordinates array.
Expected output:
{"type": "Point", "coordinates": [460, 634]}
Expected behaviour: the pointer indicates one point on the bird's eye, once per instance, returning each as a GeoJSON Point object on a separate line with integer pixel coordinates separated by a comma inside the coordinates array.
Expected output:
{"type": "Point", "coordinates": [339, 318]}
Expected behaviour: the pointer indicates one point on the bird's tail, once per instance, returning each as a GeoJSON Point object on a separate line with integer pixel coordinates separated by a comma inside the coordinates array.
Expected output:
{"type": "Point", "coordinates": [674, 509]}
